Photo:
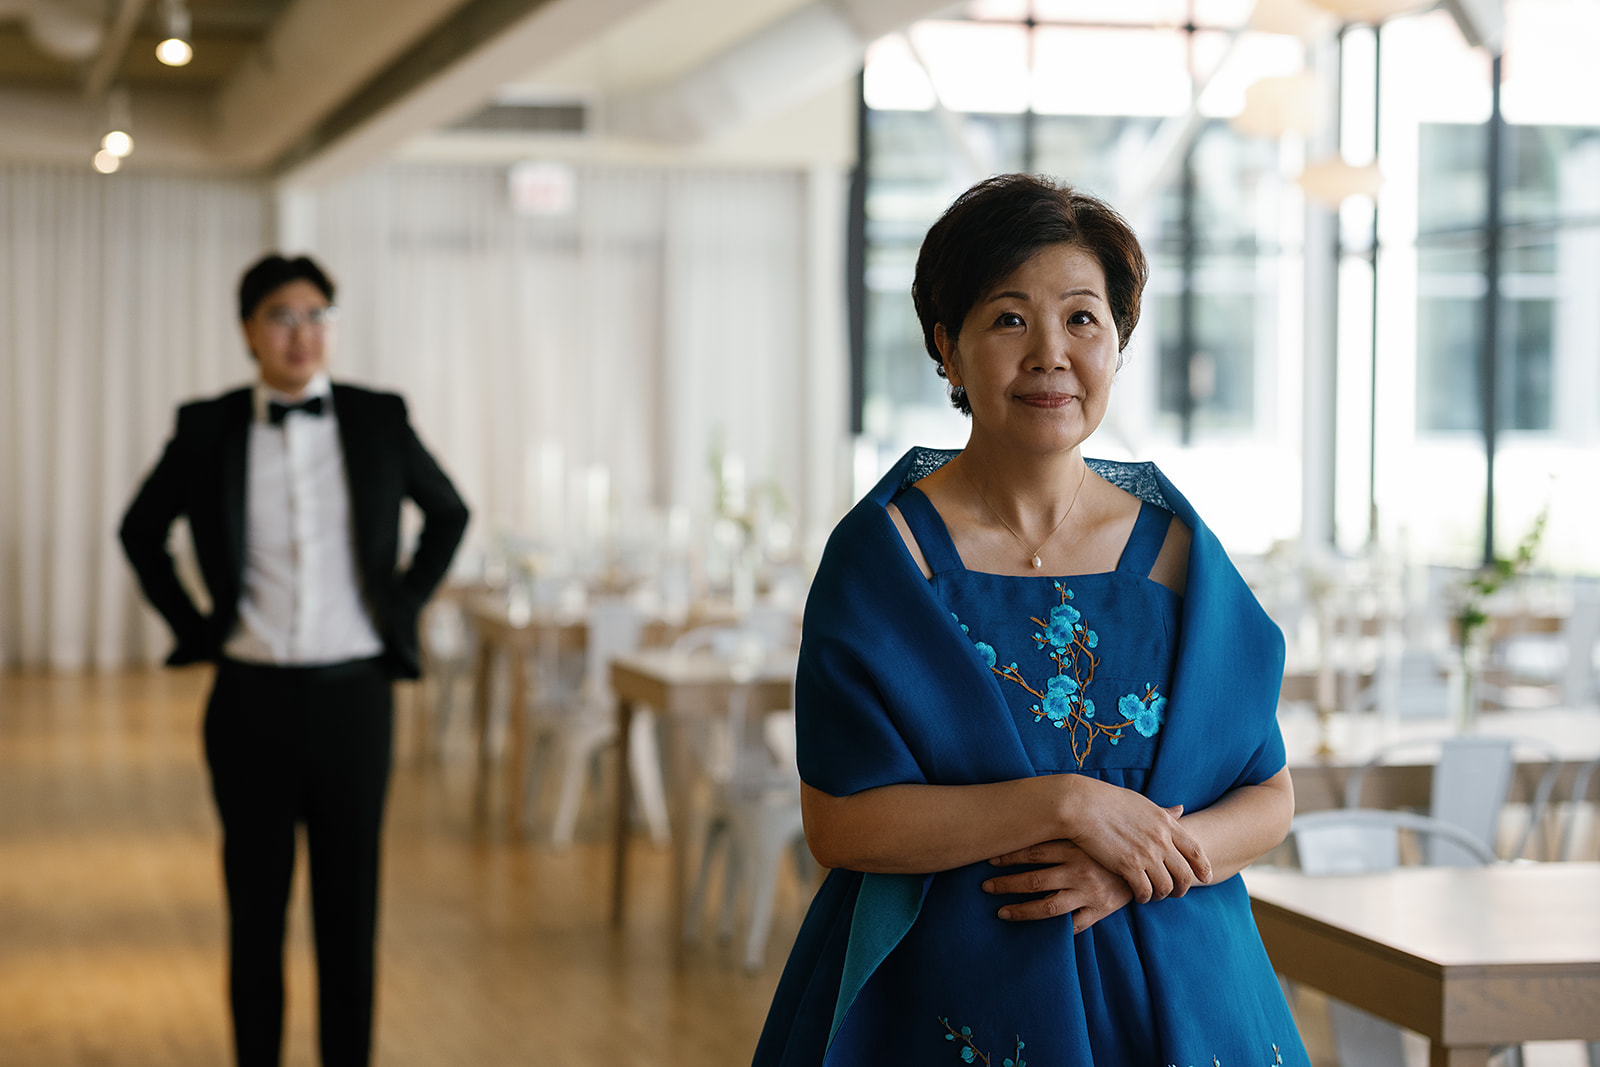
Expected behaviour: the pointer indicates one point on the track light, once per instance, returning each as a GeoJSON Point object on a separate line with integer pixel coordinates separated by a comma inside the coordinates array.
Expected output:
{"type": "Point", "coordinates": [174, 49]}
{"type": "Point", "coordinates": [119, 122]}
{"type": "Point", "coordinates": [107, 162]}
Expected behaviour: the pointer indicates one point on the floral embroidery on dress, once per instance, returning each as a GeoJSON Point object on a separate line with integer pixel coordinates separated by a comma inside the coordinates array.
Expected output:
{"type": "Point", "coordinates": [969, 1049]}
{"type": "Point", "coordinates": [1066, 638]}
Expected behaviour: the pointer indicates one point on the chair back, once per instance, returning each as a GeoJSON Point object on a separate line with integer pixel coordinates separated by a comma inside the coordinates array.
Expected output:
{"type": "Point", "coordinates": [1363, 840]}
{"type": "Point", "coordinates": [1471, 779]}
{"type": "Point", "coordinates": [1409, 685]}
{"type": "Point", "coordinates": [1470, 783]}
{"type": "Point", "coordinates": [1581, 633]}
{"type": "Point", "coordinates": [615, 628]}
{"type": "Point", "coordinates": [744, 753]}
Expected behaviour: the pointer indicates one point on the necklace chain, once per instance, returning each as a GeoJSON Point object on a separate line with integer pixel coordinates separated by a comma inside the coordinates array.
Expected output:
{"type": "Point", "coordinates": [1037, 562]}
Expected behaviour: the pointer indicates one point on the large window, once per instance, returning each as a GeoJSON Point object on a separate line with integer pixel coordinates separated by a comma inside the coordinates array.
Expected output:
{"type": "Point", "coordinates": [1142, 103]}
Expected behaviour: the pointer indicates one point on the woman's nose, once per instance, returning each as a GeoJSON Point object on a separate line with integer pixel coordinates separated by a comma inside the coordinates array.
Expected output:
{"type": "Point", "coordinates": [1051, 353]}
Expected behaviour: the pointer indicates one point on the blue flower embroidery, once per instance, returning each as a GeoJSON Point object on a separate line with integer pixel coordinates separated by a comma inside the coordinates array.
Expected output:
{"type": "Point", "coordinates": [969, 1049]}
{"type": "Point", "coordinates": [1146, 712]}
{"type": "Point", "coordinates": [1063, 621]}
{"type": "Point", "coordinates": [1058, 693]}
{"type": "Point", "coordinates": [1064, 636]}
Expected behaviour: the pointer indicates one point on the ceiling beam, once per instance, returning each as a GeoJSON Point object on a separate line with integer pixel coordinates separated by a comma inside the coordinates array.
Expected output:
{"type": "Point", "coordinates": [104, 68]}
{"type": "Point", "coordinates": [455, 71]}
{"type": "Point", "coordinates": [315, 55]}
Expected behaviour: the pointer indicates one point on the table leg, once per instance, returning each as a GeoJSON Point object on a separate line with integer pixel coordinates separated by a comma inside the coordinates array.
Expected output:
{"type": "Point", "coordinates": [619, 828]}
{"type": "Point", "coordinates": [1447, 1056]}
{"type": "Point", "coordinates": [480, 702]}
{"type": "Point", "coordinates": [678, 793]}
{"type": "Point", "coordinates": [517, 740]}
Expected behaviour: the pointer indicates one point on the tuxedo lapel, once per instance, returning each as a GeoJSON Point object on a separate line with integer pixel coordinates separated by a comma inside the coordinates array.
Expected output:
{"type": "Point", "coordinates": [358, 441]}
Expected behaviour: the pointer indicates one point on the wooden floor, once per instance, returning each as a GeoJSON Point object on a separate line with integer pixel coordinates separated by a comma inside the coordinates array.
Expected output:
{"type": "Point", "coordinates": [494, 949]}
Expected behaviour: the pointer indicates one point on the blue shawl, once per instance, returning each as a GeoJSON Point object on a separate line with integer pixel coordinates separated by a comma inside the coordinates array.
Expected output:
{"type": "Point", "coordinates": [890, 690]}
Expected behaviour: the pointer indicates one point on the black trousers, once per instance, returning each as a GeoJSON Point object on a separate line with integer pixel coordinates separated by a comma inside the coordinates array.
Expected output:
{"type": "Point", "coordinates": [291, 746]}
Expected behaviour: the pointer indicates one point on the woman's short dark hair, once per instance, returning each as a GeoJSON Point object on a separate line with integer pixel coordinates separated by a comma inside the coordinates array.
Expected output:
{"type": "Point", "coordinates": [998, 225]}
{"type": "Point", "coordinates": [273, 270]}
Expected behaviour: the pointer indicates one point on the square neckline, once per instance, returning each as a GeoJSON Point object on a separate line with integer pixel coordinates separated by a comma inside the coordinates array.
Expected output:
{"type": "Point", "coordinates": [1137, 558]}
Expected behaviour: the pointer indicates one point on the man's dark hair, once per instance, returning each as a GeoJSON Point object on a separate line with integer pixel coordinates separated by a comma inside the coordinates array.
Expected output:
{"type": "Point", "coordinates": [273, 270]}
{"type": "Point", "coordinates": [998, 225]}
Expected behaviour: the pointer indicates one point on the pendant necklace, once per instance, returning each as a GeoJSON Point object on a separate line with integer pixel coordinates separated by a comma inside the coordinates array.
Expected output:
{"type": "Point", "coordinates": [1037, 562]}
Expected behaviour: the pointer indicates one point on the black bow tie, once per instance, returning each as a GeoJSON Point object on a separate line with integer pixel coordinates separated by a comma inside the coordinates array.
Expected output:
{"type": "Point", "coordinates": [277, 410]}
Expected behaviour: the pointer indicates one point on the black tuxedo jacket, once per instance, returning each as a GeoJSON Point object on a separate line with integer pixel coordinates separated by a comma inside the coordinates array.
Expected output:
{"type": "Point", "coordinates": [201, 475]}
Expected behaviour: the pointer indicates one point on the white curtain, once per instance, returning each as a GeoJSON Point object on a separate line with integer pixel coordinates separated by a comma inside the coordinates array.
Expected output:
{"type": "Point", "coordinates": [116, 302]}
{"type": "Point", "coordinates": [667, 310]}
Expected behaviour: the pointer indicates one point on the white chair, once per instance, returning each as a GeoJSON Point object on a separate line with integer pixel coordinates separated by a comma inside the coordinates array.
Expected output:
{"type": "Point", "coordinates": [1356, 841]}
{"type": "Point", "coordinates": [754, 816]}
{"type": "Point", "coordinates": [448, 646]}
{"type": "Point", "coordinates": [1582, 635]}
{"type": "Point", "coordinates": [1408, 684]}
{"type": "Point", "coordinates": [581, 727]}
{"type": "Point", "coordinates": [1471, 780]}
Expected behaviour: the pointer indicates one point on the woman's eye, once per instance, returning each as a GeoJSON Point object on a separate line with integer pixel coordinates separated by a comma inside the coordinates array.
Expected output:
{"type": "Point", "coordinates": [1008, 318]}
{"type": "Point", "coordinates": [1081, 318]}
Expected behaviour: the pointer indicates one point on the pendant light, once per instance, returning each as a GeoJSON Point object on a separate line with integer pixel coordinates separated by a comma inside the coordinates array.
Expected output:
{"type": "Point", "coordinates": [175, 49]}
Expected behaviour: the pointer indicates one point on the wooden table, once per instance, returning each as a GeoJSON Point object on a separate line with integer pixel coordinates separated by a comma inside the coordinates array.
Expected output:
{"type": "Point", "coordinates": [1468, 957]}
{"type": "Point", "coordinates": [677, 688]}
{"type": "Point", "coordinates": [543, 634]}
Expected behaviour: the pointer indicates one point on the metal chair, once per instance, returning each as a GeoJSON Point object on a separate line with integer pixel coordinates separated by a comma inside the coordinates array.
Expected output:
{"type": "Point", "coordinates": [1575, 808]}
{"type": "Point", "coordinates": [1471, 780]}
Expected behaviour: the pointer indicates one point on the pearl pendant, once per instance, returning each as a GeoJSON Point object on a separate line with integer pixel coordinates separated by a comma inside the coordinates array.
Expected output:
{"type": "Point", "coordinates": [1037, 562]}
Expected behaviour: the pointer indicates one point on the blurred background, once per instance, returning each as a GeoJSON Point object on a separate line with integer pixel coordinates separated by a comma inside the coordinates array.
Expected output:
{"type": "Point", "coordinates": [604, 248]}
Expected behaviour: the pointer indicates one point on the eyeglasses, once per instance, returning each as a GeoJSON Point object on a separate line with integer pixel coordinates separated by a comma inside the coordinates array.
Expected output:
{"type": "Point", "coordinates": [315, 319]}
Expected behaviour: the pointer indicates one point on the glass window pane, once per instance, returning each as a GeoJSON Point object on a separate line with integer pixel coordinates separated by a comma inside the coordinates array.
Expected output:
{"type": "Point", "coordinates": [1525, 366]}
{"type": "Point", "coordinates": [1453, 189]}
{"type": "Point", "coordinates": [1448, 329]}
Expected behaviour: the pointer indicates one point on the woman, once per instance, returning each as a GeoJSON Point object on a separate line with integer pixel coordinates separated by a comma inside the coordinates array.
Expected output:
{"type": "Point", "coordinates": [1036, 707]}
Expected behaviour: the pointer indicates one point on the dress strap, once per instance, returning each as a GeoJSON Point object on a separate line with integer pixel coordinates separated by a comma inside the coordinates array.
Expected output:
{"type": "Point", "coordinates": [929, 529]}
{"type": "Point", "coordinates": [1144, 544]}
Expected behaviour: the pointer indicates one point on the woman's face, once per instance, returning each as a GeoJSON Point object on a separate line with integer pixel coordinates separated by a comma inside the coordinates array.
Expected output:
{"type": "Point", "coordinates": [1037, 353]}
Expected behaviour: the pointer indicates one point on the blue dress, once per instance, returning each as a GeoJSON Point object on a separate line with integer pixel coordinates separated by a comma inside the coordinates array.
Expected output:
{"type": "Point", "coordinates": [1111, 675]}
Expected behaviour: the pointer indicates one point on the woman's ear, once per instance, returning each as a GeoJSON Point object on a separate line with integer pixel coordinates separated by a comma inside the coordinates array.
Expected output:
{"type": "Point", "coordinates": [947, 353]}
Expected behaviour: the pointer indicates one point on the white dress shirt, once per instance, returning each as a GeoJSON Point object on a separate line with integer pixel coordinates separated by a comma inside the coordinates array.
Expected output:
{"type": "Point", "coordinates": [301, 603]}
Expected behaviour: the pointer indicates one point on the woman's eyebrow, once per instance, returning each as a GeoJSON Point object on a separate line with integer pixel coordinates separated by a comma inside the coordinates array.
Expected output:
{"type": "Point", "coordinates": [1016, 295]}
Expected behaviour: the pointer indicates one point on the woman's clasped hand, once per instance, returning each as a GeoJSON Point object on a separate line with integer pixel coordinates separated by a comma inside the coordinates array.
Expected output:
{"type": "Point", "coordinates": [1128, 848]}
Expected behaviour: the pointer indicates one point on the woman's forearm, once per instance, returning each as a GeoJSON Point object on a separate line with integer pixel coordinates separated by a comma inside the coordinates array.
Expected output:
{"type": "Point", "coordinates": [915, 829]}
{"type": "Point", "coordinates": [1244, 825]}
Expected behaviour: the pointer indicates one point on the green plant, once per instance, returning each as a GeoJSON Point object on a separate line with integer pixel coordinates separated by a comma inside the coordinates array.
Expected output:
{"type": "Point", "coordinates": [1489, 579]}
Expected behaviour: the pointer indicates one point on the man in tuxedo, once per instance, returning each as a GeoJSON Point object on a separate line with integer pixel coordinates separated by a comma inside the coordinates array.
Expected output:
{"type": "Point", "coordinates": [292, 489]}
